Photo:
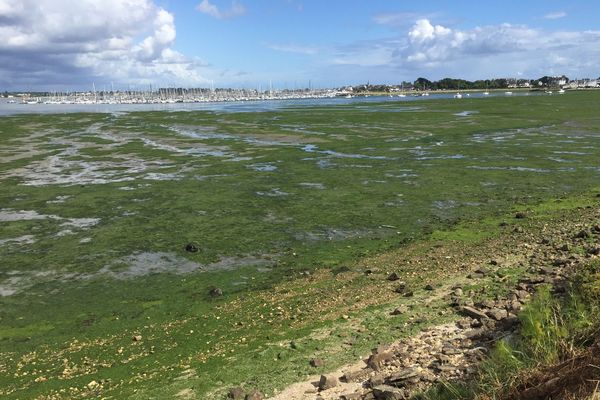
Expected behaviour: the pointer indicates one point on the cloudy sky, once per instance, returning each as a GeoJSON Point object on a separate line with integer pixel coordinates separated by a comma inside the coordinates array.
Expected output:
{"type": "Point", "coordinates": [72, 44]}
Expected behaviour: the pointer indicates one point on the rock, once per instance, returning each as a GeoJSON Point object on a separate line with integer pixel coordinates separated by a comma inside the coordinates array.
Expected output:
{"type": "Point", "coordinates": [403, 375]}
{"type": "Point", "coordinates": [192, 247]}
{"type": "Point", "coordinates": [215, 292]}
{"type": "Point", "coordinates": [515, 305]}
{"type": "Point", "coordinates": [393, 277]}
{"type": "Point", "coordinates": [522, 294]}
{"type": "Point", "coordinates": [458, 292]}
{"type": "Point", "coordinates": [593, 251]}
{"type": "Point", "coordinates": [546, 270]}
{"type": "Point", "coordinates": [254, 395]}
{"type": "Point", "coordinates": [520, 215]}
{"type": "Point", "coordinates": [518, 229]}
{"type": "Point", "coordinates": [445, 368]}
{"type": "Point", "coordinates": [327, 382]}
{"type": "Point", "coordinates": [487, 303]}
{"type": "Point", "coordinates": [497, 314]}
{"type": "Point", "coordinates": [464, 323]}
{"type": "Point", "coordinates": [137, 338]}
{"type": "Point", "coordinates": [475, 275]}
{"type": "Point", "coordinates": [450, 351]}
{"type": "Point", "coordinates": [93, 385]}
{"type": "Point", "coordinates": [376, 380]}
{"type": "Point", "coordinates": [376, 361]}
{"type": "Point", "coordinates": [382, 348]}
{"type": "Point", "coordinates": [351, 396]}
{"type": "Point", "coordinates": [582, 234]}
{"type": "Point", "coordinates": [386, 392]}
{"type": "Point", "coordinates": [482, 270]}
{"type": "Point", "coordinates": [401, 288]}
{"type": "Point", "coordinates": [474, 333]}
{"type": "Point", "coordinates": [565, 247]}
{"type": "Point", "coordinates": [429, 287]}
{"type": "Point", "coordinates": [356, 376]}
{"type": "Point", "coordinates": [402, 309]}
{"type": "Point", "coordinates": [316, 362]}
{"type": "Point", "coordinates": [236, 393]}
{"type": "Point", "coordinates": [473, 313]}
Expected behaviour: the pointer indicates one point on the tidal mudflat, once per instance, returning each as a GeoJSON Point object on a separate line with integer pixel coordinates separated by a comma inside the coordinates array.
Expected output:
{"type": "Point", "coordinates": [97, 212]}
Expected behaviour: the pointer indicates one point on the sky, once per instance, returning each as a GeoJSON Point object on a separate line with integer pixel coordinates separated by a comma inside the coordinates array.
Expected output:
{"type": "Point", "coordinates": [74, 44]}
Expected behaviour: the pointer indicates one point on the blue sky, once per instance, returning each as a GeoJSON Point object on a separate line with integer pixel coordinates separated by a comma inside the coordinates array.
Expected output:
{"type": "Point", "coordinates": [54, 44]}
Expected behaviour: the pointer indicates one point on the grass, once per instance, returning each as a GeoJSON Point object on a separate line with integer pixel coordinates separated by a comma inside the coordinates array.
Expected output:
{"type": "Point", "coordinates": [553, 330]}
{"type": "Point", "coordinates": [382, 178]}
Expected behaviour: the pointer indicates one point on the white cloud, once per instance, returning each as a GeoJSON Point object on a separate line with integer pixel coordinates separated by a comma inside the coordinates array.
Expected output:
{"type": "Point", "coordinates": [52, 42]}
{"type": "Point", "coordinates": [555, 15]}
{"type": "Point", "coordinates": [496, 50]}
{"type": "Point", "coordinates": [423, 31]}
{"type": "Point", "coordinates": [206, 7]}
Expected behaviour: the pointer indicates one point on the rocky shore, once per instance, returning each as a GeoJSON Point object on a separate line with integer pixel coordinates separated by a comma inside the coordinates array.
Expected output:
{"type": "Point", "coordinates": [548, 253]}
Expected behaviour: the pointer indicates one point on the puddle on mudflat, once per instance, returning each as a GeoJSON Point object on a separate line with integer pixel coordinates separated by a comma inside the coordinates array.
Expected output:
{"type": "Point", "coordinates": [8, 215]}
{"type": "Point", "coordinates": [466, 113]}
{"type": "Point", "coordinates": [444, 204]}
{"type": "Point", "coordinates": [576, 153]}
{"type": "Point", "coordinates": [311, 148]}
{"type": "Point", "coordinates": [56, 170]}
{"type": "Point", "coordinates": [196, 150]}
{"type": "Point", "coordinates": [275, 192]}
{"type": "Point", "coordinates": [520, 169]}
{"type": "Point", "coordinates": [313, 185]}
{"type": "Point", "coordinates": [130, 267]}
{"type": "Point", "coordinates": [263, 167]}
{"type": "Point", "coordinates": [334, 234]}
{"type": "Point", "coordinates": [59, 200]}
{"type": "Point", "coordinates": [146, 263]}
{"type": "Point", "coordinates": [444, 157]}
{"type": "Point", "coordinates": [25, 239]}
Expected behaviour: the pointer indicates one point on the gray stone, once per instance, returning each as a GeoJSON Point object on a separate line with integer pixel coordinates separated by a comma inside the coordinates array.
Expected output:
{"type": "Point", "coordinates": [393, 277]}
{"type": "Point", "coordinates": [351, 396]}
{"type": "Point", "coordinates": [498, 314]}
{"type": "Point", "coordinates": [473, 313]}
{"type": "Point", "coordinates": [356, 376]}
{"type": "Point", "coordinates": [316, 362]}
{"type": "Point", "coordinates": [376, 380]}
{"type": "Point", "coordinates": [327, 382]}
{"type": "Point", "coordinates": [236, 393]}
{"type": "Point", "coordinates": [376, 361]}
{"type": "Point", "coordinates": [386, 392]}
{"type": "Point", "coordinates": [402, 309]}
{"type": "Point", "coordinates": [254, 395]}
{"type": "Point", "coordinates": [403, 375]}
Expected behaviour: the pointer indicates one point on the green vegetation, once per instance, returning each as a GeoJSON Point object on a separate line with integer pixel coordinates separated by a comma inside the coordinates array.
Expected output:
{"type": "Point", "coordinates": [96, 211]}
{"type": "Point", "coordinates": [553, 330]}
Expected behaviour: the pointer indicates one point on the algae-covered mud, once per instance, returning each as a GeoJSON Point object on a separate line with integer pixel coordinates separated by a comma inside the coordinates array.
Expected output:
{"type": "Point", "coordinates": [140, 251]}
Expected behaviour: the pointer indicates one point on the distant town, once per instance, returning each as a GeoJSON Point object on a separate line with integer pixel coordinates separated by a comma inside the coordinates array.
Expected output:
{"type": "Point", "coordinates": [419, 87]}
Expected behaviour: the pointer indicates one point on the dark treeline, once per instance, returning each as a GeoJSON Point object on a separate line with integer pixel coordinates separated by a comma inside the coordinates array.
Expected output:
{"type": "Point", "coordinates": [425, 84]}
